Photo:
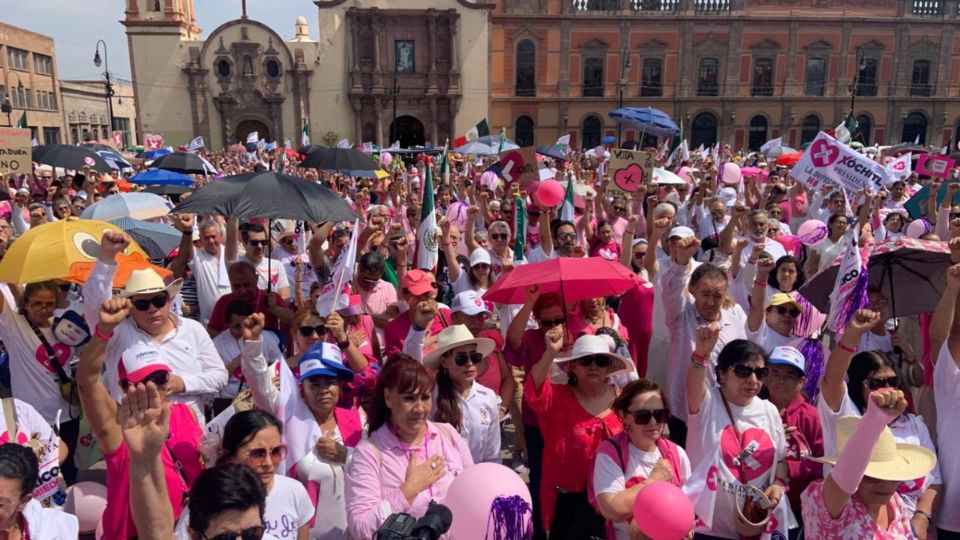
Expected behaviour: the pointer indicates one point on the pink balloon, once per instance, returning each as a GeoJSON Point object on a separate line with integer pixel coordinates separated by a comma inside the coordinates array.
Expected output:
{"type": "Point", "coordinates": [489, 179]}
{"type": "Point", "coordinates": [457, 214]}
{"type": "Point", "coordinates": [87, 501]}
{"type": "Point", "coordinates": [663, 512]}
{"type": "Point", "coordinates": [385, 159]}
{"type": "Point", "coordinates": [474, 491]}
{"type": "Point", "coordinates": [685, 173]}
{"type": "Point", "coordinates": [549, 193]}
{"type": "Point", "coordinates": [918, 228]}
{"type": "Point", "coordinates": [731, 173]}
{"type": "Point", "coordinates": [811, 232]}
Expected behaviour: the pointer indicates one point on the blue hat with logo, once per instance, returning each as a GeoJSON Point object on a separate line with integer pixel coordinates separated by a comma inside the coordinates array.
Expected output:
{"type": "Point", "coordinates": [324, 360]}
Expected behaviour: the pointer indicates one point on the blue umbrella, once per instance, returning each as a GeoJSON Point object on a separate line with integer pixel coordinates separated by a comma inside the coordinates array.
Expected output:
{"type": "Point", "coordinates": [162, 177]}
{"type": "Point", "coordinates": [552, 151]}
{"type": "Point", "coordinates": [114, 159]}
{"type": "Point", "coordinates": [157, 239]}
{"type": "Point", "coordinates": [647, 120]}
{"type": "Point", "coordinates": [607, 139]}
{"type": "Point", "coordinates": [154, 154]}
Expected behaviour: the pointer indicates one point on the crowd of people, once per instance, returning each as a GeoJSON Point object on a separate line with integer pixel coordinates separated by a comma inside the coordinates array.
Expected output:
{"type": "Point", "coordinates": [215, 399]}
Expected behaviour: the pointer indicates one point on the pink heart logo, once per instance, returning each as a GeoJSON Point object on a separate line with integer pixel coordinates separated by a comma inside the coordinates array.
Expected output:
{"type": "Point", "coordinates": [630, 178]}
{"type": "Point", "coordinates": [899, 166]}
{"type": "Point", "coordinates": [823, 153]}
{"type": "Point", "coordinates": [89, 161]}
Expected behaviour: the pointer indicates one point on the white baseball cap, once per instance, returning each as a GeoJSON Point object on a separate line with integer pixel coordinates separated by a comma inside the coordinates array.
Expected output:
{"type": "Point", "coordinates": [788, 356]}
{"type": "Point", "coordinates": [728, 196]}
{"type": "Point", "coordinates": [681, 232]}
{"type": "Point", "coordinates": [469, 303]}
{"type": "Point", "coordinates": [480, 256]}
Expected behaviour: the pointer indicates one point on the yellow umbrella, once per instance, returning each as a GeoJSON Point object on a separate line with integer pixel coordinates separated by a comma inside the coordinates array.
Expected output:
{"type": "Point", "coordinates": [65, 250]}
{"type": "Point", "coordinates": [381, 174]}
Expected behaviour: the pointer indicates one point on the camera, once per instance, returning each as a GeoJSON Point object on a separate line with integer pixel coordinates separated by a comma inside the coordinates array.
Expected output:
{"type": "Point", "coordinates": [402, 526]}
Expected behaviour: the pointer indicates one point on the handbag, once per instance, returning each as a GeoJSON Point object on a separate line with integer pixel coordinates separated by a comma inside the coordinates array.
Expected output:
{"type": "Point", "coordinates": [68, 386]}
{"type": "Point", "coordinates": [752, 506]}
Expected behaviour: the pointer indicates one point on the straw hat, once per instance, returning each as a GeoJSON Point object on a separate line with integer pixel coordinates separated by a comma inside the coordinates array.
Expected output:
{"type": "Point", "coordinates": [591, 345]}
{"type": "Point", "coordinates": [454, 336]}
{"type": "Point", "coordinates": [148, 281]}
{"type": "Point", "coordinates": [890, 460]}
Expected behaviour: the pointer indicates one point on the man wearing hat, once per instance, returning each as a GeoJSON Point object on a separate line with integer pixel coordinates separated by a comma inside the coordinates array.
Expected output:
{"type": "Point", "coordinates": [197, 373]}
{"type": "Point", "coordinates": [418, 290]}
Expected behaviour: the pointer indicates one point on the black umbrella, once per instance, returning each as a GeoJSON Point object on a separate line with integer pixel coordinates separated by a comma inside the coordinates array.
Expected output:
{"type": "Point", "coordinates": [182, 162]}
{"type": "Point", "coordinates": [70, 157]}
{"type": "Point", "coordinates": [99, 147]}
{"type": "Point", "coordinates": [166, 189]}
{"type": "Point", "coordinates": [311, 148]}
{"type": "Point", "coordinates": [268, 194]}
{"type": "Point", "coordinates": [340, 159]}
{"type": "Point", "coordinates": [552, 152]}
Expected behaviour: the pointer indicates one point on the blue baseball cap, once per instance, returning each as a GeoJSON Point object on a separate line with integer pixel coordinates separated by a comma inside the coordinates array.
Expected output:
{"type": "Point", "coordinates": [324, 360]}
{"type": "Point", "coordinates": [788, 356]}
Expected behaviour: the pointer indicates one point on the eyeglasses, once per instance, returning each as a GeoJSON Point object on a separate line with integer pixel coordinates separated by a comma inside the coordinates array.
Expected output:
{"type": "Point", "coordinates": [876, 383]}
{"type": "Point", "coordinates": [500, 237]}
{"type": "Point", "coordinates": [550, 323]}
{"type": "Point", "coordinates": [259, 454]}
{"type": "Point", "coordinates": [643, 416]}
{"type": "Point", "coordinates": [598, 359]}
{"type": "Point", "coordinates": [250, 533]}
{"type": "Point", "coordinates": [307, 331]}
{"type": "Point", "coordinates": [257, 243]}
{"type": "Point", "coordinates": [534, 213]}
{"type": "Point", "coordinates": [639, 254]}
{"type": "Point", "coordinates": [288, 241]}
{"type": "Point", "coordinates": [461, 358]}
{"type": "Point", "coordinates": [781, 310]}
{"type": "Point", "coordinates": [159, 378]}
{"type": "Point", "coordinates": [744, 372]}
{"type": "Point", "coordinates": [620, 208]}
{"type": "Point", "coordinates": [157, 301]}
{"type": "Point", "coordinates": [567, 236]}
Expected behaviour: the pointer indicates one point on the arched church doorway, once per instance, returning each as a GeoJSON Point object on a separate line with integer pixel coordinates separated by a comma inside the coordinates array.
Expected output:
{"type": "Point", "coordinates": [409, 131]}
{"type": "Point", "coordinates": [249, 126]}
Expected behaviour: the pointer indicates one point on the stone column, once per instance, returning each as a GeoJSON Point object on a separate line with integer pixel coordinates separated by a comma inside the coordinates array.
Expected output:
{"type": "Point", "coordinates": [790, 83]}
{"type": "Point", "coordinates": [432, 32]}
{"type": "Point", "coordinates": [844, 77]}
{"type": "Point", "coordinates": [564, 82]}
{"type": "Point", "coordinates": [946, 55]}
{"type": "Point", "coordinates": [434, 134]}
{"type": "Point", "coordinates": [377, 73]}
{"type": "Point", "coordinates": [453, 21]}
{"type": "Point", "coordinates": [686, 62]}
{"type": "Point", "coordinates": [378, 113]}
{"type": "Point", "coordinates": [731, 85]}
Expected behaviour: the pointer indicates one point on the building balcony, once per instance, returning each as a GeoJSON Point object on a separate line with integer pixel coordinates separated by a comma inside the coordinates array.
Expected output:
{"type": "Point", "coordinates": [638, 7]}
{"type": "Point", "coordinates": [927, 8]}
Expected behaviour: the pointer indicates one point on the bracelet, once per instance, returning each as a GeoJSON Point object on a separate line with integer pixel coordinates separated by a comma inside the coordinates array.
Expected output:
{"type": "Point", "coordinates": [97, 331]}
{"type": "Point", "coordinates": [344, 345]}
{"type": "Point", "coordinates": [761, 283]}
{"type": "Point", "coordinates": [698, 360]}
{"type": "Point", "coordinates": [924, 514]}
{"type": "Point", "coordinates": [782, 483]}
{"type": "Point", "coordinates": [842, 347]}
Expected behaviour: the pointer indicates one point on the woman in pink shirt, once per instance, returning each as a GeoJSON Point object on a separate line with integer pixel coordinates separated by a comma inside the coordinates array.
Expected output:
{"type": "Point", "coordinates": [407, 461]}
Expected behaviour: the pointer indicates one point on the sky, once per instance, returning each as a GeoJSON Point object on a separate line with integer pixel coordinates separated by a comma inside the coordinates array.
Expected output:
{"type": "Point", "coordinates": [76, 25]}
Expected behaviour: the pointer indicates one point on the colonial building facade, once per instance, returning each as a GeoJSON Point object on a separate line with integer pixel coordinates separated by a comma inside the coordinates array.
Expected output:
{"type": "Point", "coordinates": [28, 82]}
{"type": "Point", "coordinates": [383, 70]}
{"type": "Point", "coordinates": [741, 71]}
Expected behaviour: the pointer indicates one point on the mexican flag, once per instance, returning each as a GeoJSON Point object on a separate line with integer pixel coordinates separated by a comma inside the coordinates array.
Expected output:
{"type": "Point", "coordinates": [520, 226]}
{"type": "Point", "coordinates": [567, 210]}
{"type": "Point", "coordinates": [482, 129]}
{"type": "Point", "coordinates": [426, 256]}
{"type": "Point", "coordinates": [445, 164]}
{"type": "Point", "coordinates": [305, 134]}
{"type": "Point", "coordinates": [22, 122]}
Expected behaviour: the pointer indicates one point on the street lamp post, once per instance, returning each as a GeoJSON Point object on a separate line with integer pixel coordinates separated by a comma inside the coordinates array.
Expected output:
{"type": "Point", "coordinates": [5, 106]}
{"type": "Point", "coordinates": [106, 75]}
{"type": "Point", "coordinates": [624, 66]}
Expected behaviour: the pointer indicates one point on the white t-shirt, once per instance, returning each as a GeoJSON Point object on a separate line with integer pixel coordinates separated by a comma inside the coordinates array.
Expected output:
{"type": "Point", "coordinates": [288, 508]}
{"type": "Point", "coordinates": [33, 378]}
{"type": "Point", "coordinates": [210, 273]}
{"type": "Point", "coordinates": [770, 339]}
{"type": "Point", "coordinates": [230, 348]}
{"type": "Point", "coordinates": [481, 423]}
{"type": "Point", "coordinates": [946, 392]}
{"type": "Point", "coordinates": [609, 477]}
{"type": "Point", "coordinates": [771, 246]}
{"type": "Point", "coordinates": [290, 267]}
{"type": "Point", "coordinates": [828, 252]}
{"type": "Point", "coordinates": [273, 267]}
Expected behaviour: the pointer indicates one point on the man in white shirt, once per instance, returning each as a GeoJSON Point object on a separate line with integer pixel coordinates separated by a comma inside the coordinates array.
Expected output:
{"type": "Point", "coordinates": [757, 226]}
{"type": "Point", "coordinates": [229, 345]}
{"type": "Point", "coordinates": [272, 276]}
{"type": "Point", "coordinates": [198, 373]}
{"type": "Point", "coordinates": [564, 234]}
{"type": "Point", "coordinates": [208, 266]}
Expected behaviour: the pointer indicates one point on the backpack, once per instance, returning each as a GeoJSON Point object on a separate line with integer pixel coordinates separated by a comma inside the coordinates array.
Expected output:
{"type": "Point", "coordinates": [618, 449]}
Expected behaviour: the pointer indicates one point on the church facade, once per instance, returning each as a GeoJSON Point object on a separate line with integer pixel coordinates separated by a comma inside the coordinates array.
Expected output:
{"type": "Point", "coordinates": [380, 72]}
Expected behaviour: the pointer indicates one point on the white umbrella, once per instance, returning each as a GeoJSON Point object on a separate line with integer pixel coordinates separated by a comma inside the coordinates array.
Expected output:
{"type": "Point", "coordinates": [665, 177]}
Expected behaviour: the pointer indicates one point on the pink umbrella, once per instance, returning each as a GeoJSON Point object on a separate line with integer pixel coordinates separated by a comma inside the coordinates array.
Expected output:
{"type": "Point", "coordinates": [574, 278]}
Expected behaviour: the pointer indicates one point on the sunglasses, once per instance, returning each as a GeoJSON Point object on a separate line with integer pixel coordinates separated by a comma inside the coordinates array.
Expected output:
{"type": "Point", "coordinates": [259, 454]}
{"type": "Point", "coordinates": [643, 416]}
{"type": "Point", "coordinates": [744, 372]}
{"type": "Point", "coordinates": [159, 378]}
{"type": "Point", "coordinates": [550, 323]}
{"type": "Point", "coordinates": [157, 301]}
{"type": "Point", "coordinates": [877, 383]}
{"type": "Point", "coordinates": [500, 237]}
{"type": "Point", "coordinates": [461, 358]}
{"type": "Point", "coordinates": [781, 310]}
{"type": "Point", "coordinates": [257, 243]}
{"type": "Point", "coordinates": [533, 213]}
{"type": "Point", "coordinates": [600, 360]}
{"type": "Point", "coordinates": [639, 254]}
{"type": "Point", "coordinates": [567, 236]}
{"type": "Point", "coordinates": [250, 533]}
{"type": "Point", "coordinates": [307, 331]}
{"type": "Point", "coordinates": [620, 208]}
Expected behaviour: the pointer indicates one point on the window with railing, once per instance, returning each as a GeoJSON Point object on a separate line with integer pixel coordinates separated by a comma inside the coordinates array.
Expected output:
{"type": "Point", "coordinates": [762, 77]}
{"type": "Point", "coordinates": [867, 78]}
{"type": "Point", "coordinates": [927, 8]}
{"type": "Point", "coordinates": [593, 77]}
{"type": "Point", "coordinates": [651, 84]}
{"type": "Point", "coordinates": [816, 77]}
{"type": "Point", "coordinates": [920, 81]}
{"type": "Point", "coordinates": [711, 6]}
{"type": "Point", "coordinates": [597, 5]}
{"type": "Point", "coordinates": [708, 83]}
{"type": "Point", "coordinates": [655, 6]}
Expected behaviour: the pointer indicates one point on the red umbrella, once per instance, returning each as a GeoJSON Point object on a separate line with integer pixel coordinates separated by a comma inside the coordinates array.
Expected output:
{"type": "Point", "coordinates": [789, 160]}
{"type": "Point", "coordinates": [574, 278]}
